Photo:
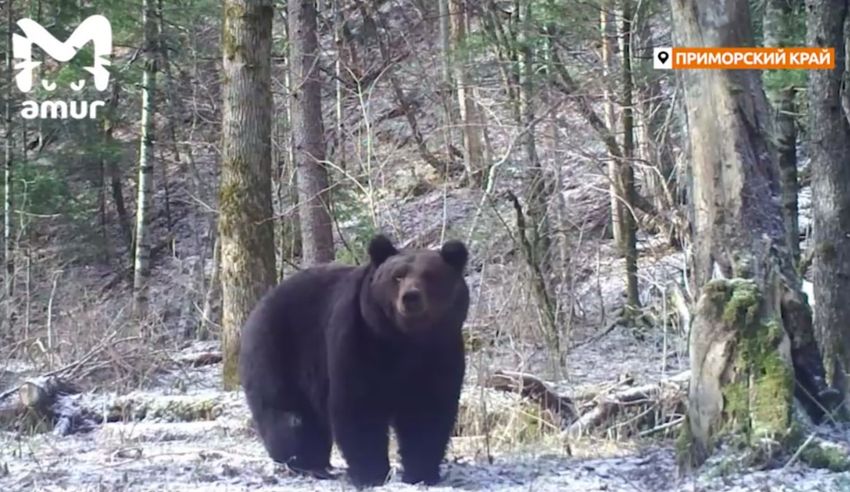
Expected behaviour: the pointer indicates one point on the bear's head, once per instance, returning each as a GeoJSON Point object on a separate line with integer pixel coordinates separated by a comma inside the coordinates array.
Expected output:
{"type": "Point", "coordinates": [417, 289]}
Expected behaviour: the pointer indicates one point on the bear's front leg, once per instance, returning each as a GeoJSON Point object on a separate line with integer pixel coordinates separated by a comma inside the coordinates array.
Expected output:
{"type": "Point", "coordinates": [424, 426]}
{"type": "Point", "coordinates": [360, 430]}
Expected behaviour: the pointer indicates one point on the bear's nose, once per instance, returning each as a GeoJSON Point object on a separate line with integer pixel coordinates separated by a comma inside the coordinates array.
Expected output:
{"type": "Point", "coordinates": [412, 299]}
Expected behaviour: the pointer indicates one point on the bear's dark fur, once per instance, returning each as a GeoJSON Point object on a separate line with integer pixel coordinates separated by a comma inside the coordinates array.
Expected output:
{"type": "Point", "coordinates": [340, 353]}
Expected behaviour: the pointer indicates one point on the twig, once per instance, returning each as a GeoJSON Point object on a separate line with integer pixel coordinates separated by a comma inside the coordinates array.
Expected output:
{"type": "Point", "coordinates": [618, 321]}
{"type": "Point", "coordinates": [672, 423]}
{"type": "Point", "coordinates": [799, 451]}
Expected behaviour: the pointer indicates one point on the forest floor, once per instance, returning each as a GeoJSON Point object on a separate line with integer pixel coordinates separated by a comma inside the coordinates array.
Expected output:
{"type": "Point", "coordinates": [188, 434]}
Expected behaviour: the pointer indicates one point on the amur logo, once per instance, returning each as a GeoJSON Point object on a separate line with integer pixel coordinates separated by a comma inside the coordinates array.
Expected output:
{"type": "Point", "coordinates": [96, 29]}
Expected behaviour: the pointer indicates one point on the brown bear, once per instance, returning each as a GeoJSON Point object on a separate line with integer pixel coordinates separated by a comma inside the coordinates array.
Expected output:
{"type": "Point", "coordinates": [341, 353]}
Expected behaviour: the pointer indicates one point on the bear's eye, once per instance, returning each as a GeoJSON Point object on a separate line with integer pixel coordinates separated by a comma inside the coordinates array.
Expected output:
{"type": "Point", "coordinates": [399, 274]}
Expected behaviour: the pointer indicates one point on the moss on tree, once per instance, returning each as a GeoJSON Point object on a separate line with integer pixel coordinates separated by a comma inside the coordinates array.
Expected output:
{"type": "Point", "coordinates": [751, 361]}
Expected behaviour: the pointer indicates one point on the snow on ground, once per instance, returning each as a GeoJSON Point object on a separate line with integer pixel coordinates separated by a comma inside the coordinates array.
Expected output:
{"type": "Point", "coordinates": [224, 454]}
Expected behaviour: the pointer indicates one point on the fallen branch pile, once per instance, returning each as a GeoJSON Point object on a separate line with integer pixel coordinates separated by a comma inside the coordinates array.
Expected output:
{"type": "Point", "coordinates": [630, 409]}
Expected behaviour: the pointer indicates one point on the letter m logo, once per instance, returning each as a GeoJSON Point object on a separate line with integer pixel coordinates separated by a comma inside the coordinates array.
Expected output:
{"type": "Point", "coordinates": [95, 29]}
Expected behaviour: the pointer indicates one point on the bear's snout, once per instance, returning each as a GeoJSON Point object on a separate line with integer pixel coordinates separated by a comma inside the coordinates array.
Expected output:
{"type": "Point", "coordinates": [413, 301]}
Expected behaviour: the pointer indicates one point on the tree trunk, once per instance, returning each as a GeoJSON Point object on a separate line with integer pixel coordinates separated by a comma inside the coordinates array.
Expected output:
{"type": "Point", "coordinates": [141, 270]}
{"type": "Point", "coordinates": [245, 196]}
{"type": "Point", "coordinates": [655, 116]}
{"type": "Point", "coordinates": [211, 311]}
{"type": "Point", "coordinates": [308, 131]}
{"type": "Point", "coordinates": [830, 150]}
{"type": "Point", "coordinates": [471, 124]}
{"type": "Point", "coordinates": [541, 188]}
{"type": "Point", "coordinates": [339, 96]}
{"type": "Point", "coordinates": [445, 44]}
{"type": "Point", "coordinates": [8, 191]}
{"type": "Point", "coordinates": [779, 18]}
{"type": "Point", "coordinates": [112, 167]}
{"type": "Point", "coordinates": [608, 30]}
{"type": "Point", "coordinates": [752, 333]}
{"type": "Point", "coordinates": [626, 173]}
{"type": "Point", "coordinates": [290, 224]}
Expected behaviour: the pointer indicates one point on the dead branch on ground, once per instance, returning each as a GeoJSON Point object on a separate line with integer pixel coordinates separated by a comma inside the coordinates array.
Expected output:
{"type": "Point", "coordinates": [599, 409]}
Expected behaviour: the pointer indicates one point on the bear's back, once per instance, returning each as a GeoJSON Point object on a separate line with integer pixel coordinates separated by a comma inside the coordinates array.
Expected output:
{"type": "Point", "coordinates": [286, 329]}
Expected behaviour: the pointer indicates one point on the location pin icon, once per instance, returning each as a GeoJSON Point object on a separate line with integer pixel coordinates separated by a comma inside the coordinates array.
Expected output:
{"type": "Point", "coordinates": [663, 56]}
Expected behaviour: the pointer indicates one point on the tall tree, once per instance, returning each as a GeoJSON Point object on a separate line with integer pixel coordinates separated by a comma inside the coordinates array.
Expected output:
{"type": "Point", "coordinates": [246, 231]}
{"type": "Point", "coordinates": [308, 130]}
{"type": "Point", "coordinates": [110, 163]}
{"type": "Point", "coordinates": [608, 31]}
{"type": "Point", "coordinates": [445, 45]}
{"type": "Point", "coordinates": [144, 199]}
{"type": "Point", "coordinates": [830, 150]}
{"type": "Point", "coordinates": [536, 236]}
{"type": "Point", "coordinates": [8, 192]}
{"type": "Point", "coordinates": [656, 115]}
{"type": "Point", "coordinates": [626, 173]}
{"type": "Point", "coordinates": [752, 334]}
{"type": "Point", "coordinates": [780, 17]}
{"type": "Point", "coordinates": [473, 144]}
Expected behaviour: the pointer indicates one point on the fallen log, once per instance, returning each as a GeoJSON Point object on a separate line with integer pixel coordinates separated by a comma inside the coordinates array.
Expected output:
{"type": "Point", "coordinates": [43, 404]}
{"type": "Point", "coordinates": [535, 390]}
{"type": "Point", "coordinates": [199, 359]}
{"type": "Point", "coordinates": [52, 404]}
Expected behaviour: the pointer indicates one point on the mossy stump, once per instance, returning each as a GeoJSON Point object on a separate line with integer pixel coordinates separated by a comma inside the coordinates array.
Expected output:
{"type": "Point", "coordinates": [742, 377]}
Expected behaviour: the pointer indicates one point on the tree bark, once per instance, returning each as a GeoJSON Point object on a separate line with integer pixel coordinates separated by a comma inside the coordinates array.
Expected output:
{"type": "Point", "coordinates": [445, 43]}
{"type": "Point", "coordinates": [211, 310]}
{"type": "Point", "coordinates": [309, 134]}
{"type": "Point", "coordinates": [471, 124]}
{"type": "Point", "coordinates": [626, 172]}
{"type": "Point", "coordinates": [339, 96]}
{"type": "Point", "coordinates": [608, 30]}
{"type": "Point", "coordinates": [779, 31]}
{"type": "Point", "coordinates": [112, 167]}
{"type": "Point", "coordinates": [8, 191]}
{"type": "Point", "coordinates": [141, 269]}
{"type": "Point", "coordinates": [830, 150]}
{"type": "Point", "coordinates": [290, 224]}
{"type": "Point", "coordinates": [246, 231]}
{"type": "Point", "coordinates": [752, 334]}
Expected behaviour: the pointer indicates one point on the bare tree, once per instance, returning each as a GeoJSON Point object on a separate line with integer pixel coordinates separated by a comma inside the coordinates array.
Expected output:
{"type": "Point", "coordinates": [308, 130]}
{"type": "Point", "coordinates": [141, 270]}
{"type": "Point", "coordinates": [536, 236]}
{"type": "Point", "coordinates": [246, 232]}
{"type": "Point", "coordinates": [752, 335]}
{"type": "Point", "coordinates": [830, 150]}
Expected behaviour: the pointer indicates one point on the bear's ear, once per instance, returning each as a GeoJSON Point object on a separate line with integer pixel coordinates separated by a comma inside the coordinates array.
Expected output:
{"type": "Point", "coordinates": [455, 254]}
{"type": "Point", "coordinates": [381, 248]}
